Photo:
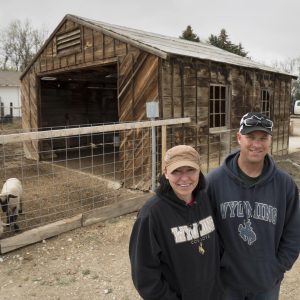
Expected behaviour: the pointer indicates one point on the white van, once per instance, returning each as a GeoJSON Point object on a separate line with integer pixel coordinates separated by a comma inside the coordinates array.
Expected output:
{"type": "Point", "coordinates": [297, 107]}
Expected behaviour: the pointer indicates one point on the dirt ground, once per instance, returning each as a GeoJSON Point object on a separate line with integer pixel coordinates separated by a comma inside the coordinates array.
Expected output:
{"type": "Point", "coordinates": [92, 262]}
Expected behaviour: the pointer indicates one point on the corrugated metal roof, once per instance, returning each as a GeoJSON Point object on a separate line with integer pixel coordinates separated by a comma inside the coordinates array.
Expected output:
{"type": "Point", "coordinates": [10, 78]}
{"type": "Point", "coordinates": [177, 46]}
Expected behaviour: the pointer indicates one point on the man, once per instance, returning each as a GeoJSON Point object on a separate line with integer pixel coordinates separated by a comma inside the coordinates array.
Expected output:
{"type": "Point", "coordinates": [257, 215]}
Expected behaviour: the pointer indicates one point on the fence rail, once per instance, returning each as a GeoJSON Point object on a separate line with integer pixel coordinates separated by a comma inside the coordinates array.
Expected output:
{"type": "Point", "coordinates": [55, 133]}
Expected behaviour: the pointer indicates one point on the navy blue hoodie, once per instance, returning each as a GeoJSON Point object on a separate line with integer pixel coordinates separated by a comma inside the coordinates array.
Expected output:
{"type": "Point", "coordinates": [166, 261]}
{"type": "Point", "coordinates": [259, 225]}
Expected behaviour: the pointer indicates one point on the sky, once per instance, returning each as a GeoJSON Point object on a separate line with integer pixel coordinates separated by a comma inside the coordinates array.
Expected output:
{"type": "Point", "coordinates": [267, 29]}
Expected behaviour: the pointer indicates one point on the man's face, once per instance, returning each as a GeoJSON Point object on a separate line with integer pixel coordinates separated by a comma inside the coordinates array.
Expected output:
{"type": "Point", "coordinates": [254, 146]}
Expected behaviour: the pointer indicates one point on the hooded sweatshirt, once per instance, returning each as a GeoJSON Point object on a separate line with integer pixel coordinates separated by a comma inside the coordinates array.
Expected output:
{"type": "Point", "coordinates": [259, 225]}
{"type": "Point", "coordinates": [174, 250]}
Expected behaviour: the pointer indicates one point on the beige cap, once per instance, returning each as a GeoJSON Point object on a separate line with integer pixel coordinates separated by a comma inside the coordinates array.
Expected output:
{"type": "Point", "coordinates": [181, 156]}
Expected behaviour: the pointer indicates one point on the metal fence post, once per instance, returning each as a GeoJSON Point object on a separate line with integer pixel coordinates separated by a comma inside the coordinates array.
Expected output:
{"type": "Point", "coordinates": [153, 138]}
{"type": "Point", "coordinates": [152, 112]}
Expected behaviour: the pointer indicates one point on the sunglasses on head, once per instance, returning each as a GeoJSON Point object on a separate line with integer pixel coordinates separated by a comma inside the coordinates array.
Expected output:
{"type": "Point", "coordinates": [254, 121]}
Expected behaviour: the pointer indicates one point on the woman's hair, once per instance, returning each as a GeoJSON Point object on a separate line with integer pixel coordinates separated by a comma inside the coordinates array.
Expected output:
{"type": "Point", "coordinates": [165, 187]}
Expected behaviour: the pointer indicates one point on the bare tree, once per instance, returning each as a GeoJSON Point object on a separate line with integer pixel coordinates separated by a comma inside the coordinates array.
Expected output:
{"type": "Point", "coordinates": [292, 66]}
{"type": "Point", "coordinates": [19, 43]}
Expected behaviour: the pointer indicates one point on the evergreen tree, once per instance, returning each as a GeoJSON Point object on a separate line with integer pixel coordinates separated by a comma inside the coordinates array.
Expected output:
{"type": "Point", "coordinates": [188, 34]}
{"type": "Point", "coordinates": [222, 41]}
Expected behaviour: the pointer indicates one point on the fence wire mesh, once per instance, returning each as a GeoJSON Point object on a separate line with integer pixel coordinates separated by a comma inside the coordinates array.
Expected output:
{"type": "Point", "coordinates": [74, 174]}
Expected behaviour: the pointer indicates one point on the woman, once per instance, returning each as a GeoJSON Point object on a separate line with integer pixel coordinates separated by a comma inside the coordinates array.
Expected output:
{"type": "Point", "coordinates": [173, 249]}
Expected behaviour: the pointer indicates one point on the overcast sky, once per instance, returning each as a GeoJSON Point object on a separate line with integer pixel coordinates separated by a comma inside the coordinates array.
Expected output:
{"type": "Point", "coordinates": [267, 29]}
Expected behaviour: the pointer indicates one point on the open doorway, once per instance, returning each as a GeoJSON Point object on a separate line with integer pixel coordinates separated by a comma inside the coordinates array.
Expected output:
{"type": "Point", "coordinates": [81, 97]}
{"type": "Point", "coordinates": [77, 98]}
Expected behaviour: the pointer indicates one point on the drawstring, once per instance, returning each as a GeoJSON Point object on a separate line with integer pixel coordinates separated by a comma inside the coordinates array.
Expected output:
{"type": "Point", "coordinates": [190, 206]}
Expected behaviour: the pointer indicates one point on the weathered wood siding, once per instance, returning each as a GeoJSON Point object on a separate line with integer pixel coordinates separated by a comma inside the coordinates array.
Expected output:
{"type": "Point", "coordinates": [281, 107]}
{"type": "Point", "coordinates": [185, 93]}
{"type": "Point", "coordinates": [138, 84]}
{"type": "Point", "coordinates": [95, 49]}
{"type": "Point", "coordinates": [30, 104]}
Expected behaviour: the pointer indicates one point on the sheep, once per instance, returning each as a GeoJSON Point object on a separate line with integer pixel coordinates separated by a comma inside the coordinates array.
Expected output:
{"type": "Point", "coordinates": [10, 199]}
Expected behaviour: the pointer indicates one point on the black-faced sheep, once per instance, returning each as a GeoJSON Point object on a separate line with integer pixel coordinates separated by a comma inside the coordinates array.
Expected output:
{"type": "Point", "coordinates": [10, 199]}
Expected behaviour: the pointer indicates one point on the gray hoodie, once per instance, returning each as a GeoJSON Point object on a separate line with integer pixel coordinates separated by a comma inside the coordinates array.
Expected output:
{"type": "Point", "coordinates": [259, 225]}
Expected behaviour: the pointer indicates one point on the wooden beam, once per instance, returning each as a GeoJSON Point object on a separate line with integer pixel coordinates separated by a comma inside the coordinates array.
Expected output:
{"type": "Point", "coordinates": [37, 135]}
{"type": "Point", "coordinates": [38, 234]}
{"type": "Point", "coordinates": [114, 210]}
{"type": "Point", "coordinates": [99, 63]}
{"type": "Point", "coordinates": [163, 145]}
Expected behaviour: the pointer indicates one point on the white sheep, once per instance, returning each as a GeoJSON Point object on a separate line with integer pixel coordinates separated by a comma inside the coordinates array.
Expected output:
{"type": "Point", "coordinates": [10, 199]}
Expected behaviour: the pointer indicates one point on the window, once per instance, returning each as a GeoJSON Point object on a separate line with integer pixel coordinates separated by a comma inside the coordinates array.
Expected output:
{"type": "Point", "coordinates": [265, 102]}
{"type": "Point", "coordinates": [217, 106]}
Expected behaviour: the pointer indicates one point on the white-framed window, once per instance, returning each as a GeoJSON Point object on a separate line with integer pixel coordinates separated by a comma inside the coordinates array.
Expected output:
{"type": "Point", "coordinates": [218, 106]}
{"type": "Point", "coordinates": [265, 102]}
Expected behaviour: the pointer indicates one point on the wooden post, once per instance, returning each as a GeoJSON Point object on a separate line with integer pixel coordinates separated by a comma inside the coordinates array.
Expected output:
{"type": "Point", "coordinates": [163, 145]}
{"type": "Point", "coordinates": [291, 127]}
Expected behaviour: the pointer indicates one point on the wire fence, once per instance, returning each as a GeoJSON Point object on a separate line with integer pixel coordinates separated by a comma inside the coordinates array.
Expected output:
{"type": "Point", "coordinates": [67, 171]}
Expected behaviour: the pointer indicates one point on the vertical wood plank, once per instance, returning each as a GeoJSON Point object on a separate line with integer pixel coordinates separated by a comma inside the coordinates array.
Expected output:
{"type": "Point", "coordinates": [163, 145]}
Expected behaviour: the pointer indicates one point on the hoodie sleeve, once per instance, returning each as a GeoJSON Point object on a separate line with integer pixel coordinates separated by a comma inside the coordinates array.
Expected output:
{"type": "Point", "coordinates": [146, 272]}
{"type": "Point", "coordinates": [289, 245]}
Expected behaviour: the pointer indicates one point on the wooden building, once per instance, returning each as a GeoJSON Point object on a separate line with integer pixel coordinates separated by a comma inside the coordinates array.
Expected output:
{"type": "Point", "coordinates": [91, 72]}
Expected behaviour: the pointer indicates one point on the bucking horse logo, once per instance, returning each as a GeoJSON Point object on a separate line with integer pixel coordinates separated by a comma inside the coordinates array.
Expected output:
{"type": "Point", "coordinates": [247, 233]}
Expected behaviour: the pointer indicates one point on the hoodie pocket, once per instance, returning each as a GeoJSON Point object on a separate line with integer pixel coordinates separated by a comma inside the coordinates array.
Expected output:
{"type": "Point", "coordinates": [251, 273]}
{"type": "Point", "coordinates": [278, 268]}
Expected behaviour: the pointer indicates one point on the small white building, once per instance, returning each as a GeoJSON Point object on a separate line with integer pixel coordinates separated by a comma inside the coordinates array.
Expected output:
{"type": "Point", "coordinates": [10, 96]}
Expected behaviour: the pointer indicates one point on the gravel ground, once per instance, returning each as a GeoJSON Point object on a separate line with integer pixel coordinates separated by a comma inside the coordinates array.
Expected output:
{"type": "Point", "coordinates": [87, 263]}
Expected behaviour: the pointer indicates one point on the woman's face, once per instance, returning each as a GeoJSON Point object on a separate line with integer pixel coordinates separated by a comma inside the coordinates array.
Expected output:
{"type": "Point", "coordinates": [183, 181]}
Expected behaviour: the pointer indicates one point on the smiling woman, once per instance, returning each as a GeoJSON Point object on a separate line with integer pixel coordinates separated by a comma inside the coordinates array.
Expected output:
{"type": "Point", "coordinates": [183, 181]}
{"type": "Point", "coordinates": [182, 170]}
{"type": "Point", "coordinates": [174, 249]}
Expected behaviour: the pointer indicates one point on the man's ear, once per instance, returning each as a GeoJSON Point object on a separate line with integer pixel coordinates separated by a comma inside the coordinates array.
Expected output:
{"type": "Point", "coordinates": [238, 136]}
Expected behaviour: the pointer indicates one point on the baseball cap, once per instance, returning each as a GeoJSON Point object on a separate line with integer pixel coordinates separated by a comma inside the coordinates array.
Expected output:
{"type": "Point", "coordinates": [181, 156]}
{"type": "Point", "coordinates": [253, 121]}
